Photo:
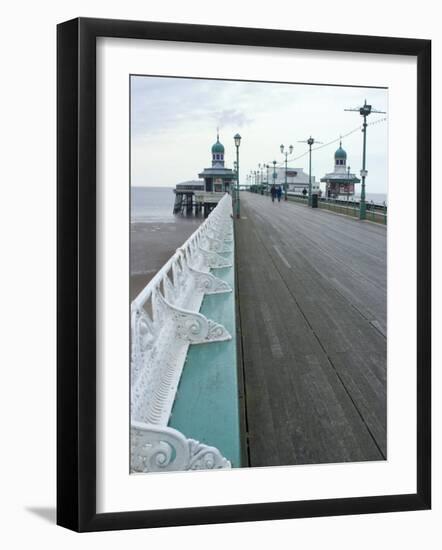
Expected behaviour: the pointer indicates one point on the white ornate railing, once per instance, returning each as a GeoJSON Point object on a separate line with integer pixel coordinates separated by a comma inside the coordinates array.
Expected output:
{"type": "Point", "coordinates": [165, 320]}
{"type": "Point", "coordinates": [160, 449]}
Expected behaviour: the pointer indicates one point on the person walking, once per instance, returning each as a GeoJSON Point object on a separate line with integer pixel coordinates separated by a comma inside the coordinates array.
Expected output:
{"type": "Point", "coordinates": [279, 193]}
{"type": "Point", "coordinates": [273, 192]}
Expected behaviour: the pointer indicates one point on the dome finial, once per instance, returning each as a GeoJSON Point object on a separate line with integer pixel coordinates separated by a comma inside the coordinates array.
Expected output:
{"type": "Point", "coordinates": [218, 147]}
{"type": "Point", "coordinates": [340, 154]}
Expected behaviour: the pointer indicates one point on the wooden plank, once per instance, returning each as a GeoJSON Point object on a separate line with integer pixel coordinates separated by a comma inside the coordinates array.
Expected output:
{"type": "Point", "coordinates": [311, 289]}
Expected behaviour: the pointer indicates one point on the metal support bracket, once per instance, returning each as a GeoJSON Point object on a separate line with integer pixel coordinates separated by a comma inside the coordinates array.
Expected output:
{"type": "Point", "coordinates": [207, 282]}
{"type": "Point", "coordinates": [190, 326]}
{"type": "Point", "coordinates": [163, 449]}
{"type": "Point", "coordinates": [213, 259]}
{"type": "Point", "coordinates": [217, 245]}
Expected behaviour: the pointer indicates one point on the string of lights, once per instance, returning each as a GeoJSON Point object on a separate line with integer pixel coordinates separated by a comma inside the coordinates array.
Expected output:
{"type": "Point", "coordinates": [357, 129]}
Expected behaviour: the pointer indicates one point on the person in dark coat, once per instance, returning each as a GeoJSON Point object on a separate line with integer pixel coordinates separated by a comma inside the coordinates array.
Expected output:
{"type": "Point", "coordinates": [273, 192]}
{"type": "Point", "coordinates": [279, 193]}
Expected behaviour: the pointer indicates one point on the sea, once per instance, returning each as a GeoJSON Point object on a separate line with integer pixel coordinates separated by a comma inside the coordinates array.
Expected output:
{"type": "Point", "coordinates": [152, 204]}
{"type": "Point", "coordinates": [377, 198]}
{"type": "Point", "coordinates": [155, 234]}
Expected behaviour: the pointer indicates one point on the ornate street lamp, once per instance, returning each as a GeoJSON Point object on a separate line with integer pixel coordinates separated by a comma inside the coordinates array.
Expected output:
{"type": "Point", "coordinates": [286, 154]}
{"type": "Point", "coordinates": [364, 111]}
{"type": "Point", "coordinates": [310, 143]}
{"type": "Point", "coordinates": [274, 172]}
{"type": "Point", "coordinates": [237, 139]}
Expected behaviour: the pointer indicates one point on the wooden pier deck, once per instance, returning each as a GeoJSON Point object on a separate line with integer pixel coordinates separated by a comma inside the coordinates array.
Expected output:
{"type": "Point", "coordinates": [312, 316]}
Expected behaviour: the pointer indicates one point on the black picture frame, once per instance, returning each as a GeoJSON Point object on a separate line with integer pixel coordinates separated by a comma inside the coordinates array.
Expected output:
{"type": "Point", "coordinates": [76, 273]}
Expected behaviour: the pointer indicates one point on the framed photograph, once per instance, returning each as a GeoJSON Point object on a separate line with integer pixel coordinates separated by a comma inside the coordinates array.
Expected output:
{"type": "Point", "coordinates": [243, 274]}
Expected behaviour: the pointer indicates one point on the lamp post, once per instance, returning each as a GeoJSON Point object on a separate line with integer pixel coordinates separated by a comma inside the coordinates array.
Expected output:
{"type": "Point", "coordinates": [267, 181]}
{"type": "Point", "coordinates": [362, 203]}
{"type": "Point", "coordinates": [261, 178]}
{"type": "Point", "coordinates": [364, 111]}
{"type": "Point", "coordinates": [237, 139]}
{"type": "Point", "coordinates": [234, 168]}
{"type": "Point", "coordinates": [348, 182]}
{"type": "Point", "coordinates": [310, 143]}
{"type": "Point", "coordinates": [286, 154]}
{"type": "Point", "coordinates": [274, 172]}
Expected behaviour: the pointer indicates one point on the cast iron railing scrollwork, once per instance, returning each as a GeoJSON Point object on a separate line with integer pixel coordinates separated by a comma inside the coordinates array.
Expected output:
{"type": "Point", "coordinates": [165, 320]}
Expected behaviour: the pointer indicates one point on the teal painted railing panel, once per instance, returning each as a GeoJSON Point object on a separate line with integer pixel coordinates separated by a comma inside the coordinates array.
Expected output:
{"type": "Point", "coordinates": [206, 406]}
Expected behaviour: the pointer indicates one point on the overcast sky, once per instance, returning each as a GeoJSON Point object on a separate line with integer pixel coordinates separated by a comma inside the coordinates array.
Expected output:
{"type": "Point", "coordinates": [174, 121]}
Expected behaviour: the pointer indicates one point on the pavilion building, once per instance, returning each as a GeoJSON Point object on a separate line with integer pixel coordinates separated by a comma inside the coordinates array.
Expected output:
{"type": "Point", "coordinates": [217, 178]}
{"type": "Point", "coordinates": [340, 183]}
{"type": "Point", "coordinates": [297, 179]}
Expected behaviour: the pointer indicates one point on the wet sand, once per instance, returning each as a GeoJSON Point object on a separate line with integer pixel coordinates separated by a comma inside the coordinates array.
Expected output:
{"type": "Point", "coordinates": [152, 244]}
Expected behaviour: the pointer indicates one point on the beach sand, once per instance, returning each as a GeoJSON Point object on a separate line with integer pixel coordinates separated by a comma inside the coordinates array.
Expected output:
{"type": "Point", "coordinates": [152, 244]}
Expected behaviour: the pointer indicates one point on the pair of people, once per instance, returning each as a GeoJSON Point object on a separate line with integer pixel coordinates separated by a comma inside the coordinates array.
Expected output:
{"type": "Point", "coordinates": [276, 192]}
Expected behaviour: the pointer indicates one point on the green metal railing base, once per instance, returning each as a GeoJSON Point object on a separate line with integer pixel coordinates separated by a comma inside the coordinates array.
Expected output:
{"type": "Point", "coordinates": [206, 407]}
{"type": "Point", "coordinates": [349, 209]}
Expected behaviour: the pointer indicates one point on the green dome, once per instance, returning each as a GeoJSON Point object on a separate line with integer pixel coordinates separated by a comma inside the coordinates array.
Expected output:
{"type": "Point", "coordinates": [340, 153]}
{"type": "Point", "coordinates": [218, 147]}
